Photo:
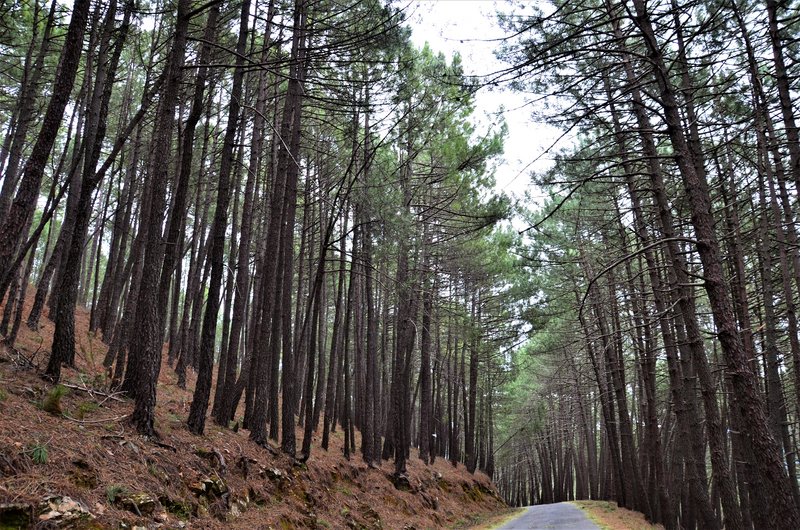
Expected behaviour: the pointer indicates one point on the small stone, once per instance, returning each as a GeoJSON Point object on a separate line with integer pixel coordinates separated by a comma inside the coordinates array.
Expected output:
{"type": "Point", "coordinates": [216, 486]}
{"type": "Point", "coordinates": [274, 473]}
{"type": "Point", "coordinates": [132, 446]}
{"type": "Point", "coordinates": [49, 515]}
{"type": "Point", "coordinates": [211, 487]}
{"type": "Point", "coordinates": [198, 488]}
{"type": "Point", "coordinates": [138, 503]}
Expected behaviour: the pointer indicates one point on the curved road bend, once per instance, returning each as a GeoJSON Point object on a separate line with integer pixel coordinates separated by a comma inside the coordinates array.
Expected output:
{"type": "Point", "coordinates": [561, 516]}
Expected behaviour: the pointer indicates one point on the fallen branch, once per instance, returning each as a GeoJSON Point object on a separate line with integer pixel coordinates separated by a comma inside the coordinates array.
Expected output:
{"type": "Point", "coordinates": [103, 420]}
{"type": "Point", "coordinates": [27, 361]}
{"type": "Point", "coordinates": [92, 392]}
{"type": "Point", "coordinates": [164, 445]}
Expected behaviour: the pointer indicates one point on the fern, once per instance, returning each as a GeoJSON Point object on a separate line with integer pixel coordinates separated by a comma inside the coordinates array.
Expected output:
{"type": "Point", "coordinates": [39, 453]}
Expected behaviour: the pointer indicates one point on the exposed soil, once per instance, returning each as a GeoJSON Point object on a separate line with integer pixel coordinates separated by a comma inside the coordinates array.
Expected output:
{"type": "Point", "coordinates": [82, 460]}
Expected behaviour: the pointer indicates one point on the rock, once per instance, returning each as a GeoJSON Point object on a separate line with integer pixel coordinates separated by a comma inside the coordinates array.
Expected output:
{"type": "Point", "coordinates": [217, 486]}
{"type": "Point", "coordinates": [178, 508]}
{"type": "Point", "coordinates": [15, 515]}
{"type": "Point", "coordinates": [274, 474]}
{"type": "Point", "coordinates": [473, 492]}
{"type": "Point", "coordinates": [209, 487]}
{"type": "Point", "coordinates": [83, 475]}
{"type": "Point", "coordinates": [198, 488]}
{"type": "Point", "coordinates": [431, 501]}
{"type": "Point", "coordinates": [142, 504]}
{"type": "Point", "coordinates": [130, 445]}
{"type": "Point", "coordinates": [240, 503]}
{"type": "Point", "coordinates": [402, 482]}
{"type": "Point", "coordinates": [61, 510]}
{"type": "Point", "coordinates": [214, 458]}
{"type": "Point", "coordinates": [369, 513]}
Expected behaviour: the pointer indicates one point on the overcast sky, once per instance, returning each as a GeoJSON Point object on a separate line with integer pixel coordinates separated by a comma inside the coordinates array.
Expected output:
{"type": "Point", "coordinates": [470, 27]}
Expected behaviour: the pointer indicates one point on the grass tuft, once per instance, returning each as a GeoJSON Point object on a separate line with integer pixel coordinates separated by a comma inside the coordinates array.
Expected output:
{"type": "Point", "coordinates": [52, 402]}
{"type": "Point", "coordinates": [114, 491]}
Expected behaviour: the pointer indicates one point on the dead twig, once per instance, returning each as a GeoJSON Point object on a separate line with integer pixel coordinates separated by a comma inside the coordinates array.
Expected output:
{"type": "Point", "coordinates": [20, 356]}
{"type": "Point", "coordinates": [223, 467]}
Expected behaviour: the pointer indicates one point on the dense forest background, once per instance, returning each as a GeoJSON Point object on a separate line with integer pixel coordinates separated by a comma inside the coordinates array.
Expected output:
{"type": "Point", "coordinates": [288, 199]}
{"type": "Point", "coordinates": [664, 366]}
{"type": "Point", "coordinates": [293, 202]}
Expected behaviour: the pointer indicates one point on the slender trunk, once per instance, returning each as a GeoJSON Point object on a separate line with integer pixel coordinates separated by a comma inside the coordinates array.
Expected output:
{"type": "Point", "coordinates": [202, 392]}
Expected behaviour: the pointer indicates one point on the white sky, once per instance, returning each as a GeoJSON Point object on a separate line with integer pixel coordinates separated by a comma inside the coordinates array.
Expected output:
{"type": "Point", "coordinates": [470, 27]}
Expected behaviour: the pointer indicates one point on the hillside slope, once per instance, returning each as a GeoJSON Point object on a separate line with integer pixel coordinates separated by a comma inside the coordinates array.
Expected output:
{"type": "Point", "coordinates": [81, 465]}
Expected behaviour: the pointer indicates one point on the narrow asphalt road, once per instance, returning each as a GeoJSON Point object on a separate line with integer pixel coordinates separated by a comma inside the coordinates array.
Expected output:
{"type": "Point", "coordinates": [561, 516]}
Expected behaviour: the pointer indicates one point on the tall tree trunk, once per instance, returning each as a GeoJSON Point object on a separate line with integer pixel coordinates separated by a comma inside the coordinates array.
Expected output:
{"type": "Point", "coordinates": [146, 348]}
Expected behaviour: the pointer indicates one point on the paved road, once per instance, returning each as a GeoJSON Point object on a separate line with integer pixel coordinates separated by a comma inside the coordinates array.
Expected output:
{"type": "Point", "coordinates": [561, 516]}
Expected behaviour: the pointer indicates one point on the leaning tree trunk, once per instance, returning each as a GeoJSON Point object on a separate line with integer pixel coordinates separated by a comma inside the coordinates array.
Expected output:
{"type": "Point", "coordinates": [63, 350]}
{"type": "Point", "coordinates": [770, 473]}
{"type": "Point", "coordinates": [25, 200]}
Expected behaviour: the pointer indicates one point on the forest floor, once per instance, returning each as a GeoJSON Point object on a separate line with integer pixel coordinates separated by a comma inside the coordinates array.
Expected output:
{"type": "Point", "coordinates": [81, 465]}
{"type": "Point", "coordinates": [608, 516]}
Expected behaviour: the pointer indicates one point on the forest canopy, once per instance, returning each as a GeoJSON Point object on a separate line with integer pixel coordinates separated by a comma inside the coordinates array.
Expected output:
{"type": "Point", "coordinates": [293, 206]}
